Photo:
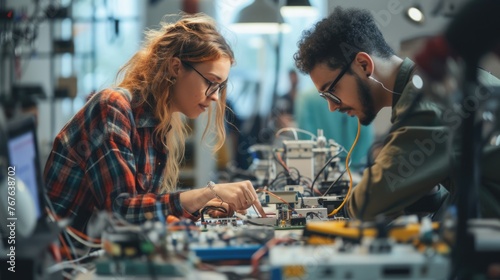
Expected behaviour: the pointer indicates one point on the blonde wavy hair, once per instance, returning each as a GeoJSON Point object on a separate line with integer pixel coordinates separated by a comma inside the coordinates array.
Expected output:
{"type": "Point", "coordinates": [193, 38]}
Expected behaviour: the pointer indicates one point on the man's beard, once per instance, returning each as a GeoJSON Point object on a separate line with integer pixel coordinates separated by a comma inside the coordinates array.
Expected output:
{"type": "Point", "coordinates": [366, 100]}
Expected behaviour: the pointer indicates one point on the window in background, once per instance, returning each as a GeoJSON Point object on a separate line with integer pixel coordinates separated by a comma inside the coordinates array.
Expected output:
{"type": "Point", "coordinates": [105, 35]}
{"type": "Point", "coordinates": [254, 81]}
{"type": "Point", "coordinates": [253, 76]}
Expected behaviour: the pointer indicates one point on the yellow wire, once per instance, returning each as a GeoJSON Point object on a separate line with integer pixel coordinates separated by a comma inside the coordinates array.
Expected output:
{"type": "Point", "coordinates": [335, 211]}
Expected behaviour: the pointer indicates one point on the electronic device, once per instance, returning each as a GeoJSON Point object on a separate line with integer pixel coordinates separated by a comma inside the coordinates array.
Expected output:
{"type": "Point", "coordinates": [231, 243]}
{"type": "Point", "coordinates": [24, 177]}
{"type": "Point", "coordinates": [326, 232]}
{"type": "Point", "coordinates": [350, 250]}
{"type": "Point", "coordinates": [24, 156]}
{"type": "Point", "coordinates": [299, 154]}
{"type": "Point", "coordinates": [403, 261]}
{"type": "Point", "coordinates": [328, 202]}
{"type": "Point", "coordinates": [26, 250]}
{"type": "Point", "coordinates": [4, 156]}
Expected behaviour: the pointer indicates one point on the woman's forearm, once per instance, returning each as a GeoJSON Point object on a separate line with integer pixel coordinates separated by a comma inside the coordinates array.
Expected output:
{"type": "Point", "coordinates": [194, 200]}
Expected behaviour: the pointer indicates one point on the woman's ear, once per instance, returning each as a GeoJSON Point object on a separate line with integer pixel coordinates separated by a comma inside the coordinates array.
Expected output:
{"type": "Point", "coordinates": [175, 66]}
{"type": "Point", "coordinates": [365, 63]}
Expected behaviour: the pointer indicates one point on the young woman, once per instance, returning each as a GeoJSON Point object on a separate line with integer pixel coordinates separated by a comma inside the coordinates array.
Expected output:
{"type": "Point", "coordinates": [121, 151]}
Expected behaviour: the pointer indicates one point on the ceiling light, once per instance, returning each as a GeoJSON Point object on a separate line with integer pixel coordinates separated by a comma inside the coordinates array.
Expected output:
{"type": "Point", "coordinates": [415, 14]}
{"type": "Point", "coordinates": [260, 17]}
{"type": "Point", "coordinates": [298, 8]}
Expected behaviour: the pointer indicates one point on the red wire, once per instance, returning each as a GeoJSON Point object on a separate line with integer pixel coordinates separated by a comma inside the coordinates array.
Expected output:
{"type": "Point", "coordinates": [65, 248]}
{"type": "Point", "coordinates": [257, 256]}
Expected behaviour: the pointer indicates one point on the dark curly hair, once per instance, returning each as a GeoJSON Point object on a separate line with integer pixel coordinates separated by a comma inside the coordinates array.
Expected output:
{"type": "Point", "coordinates": [338, 38]}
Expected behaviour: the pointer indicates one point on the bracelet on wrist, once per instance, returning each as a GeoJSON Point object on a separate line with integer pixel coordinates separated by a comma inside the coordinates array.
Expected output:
{"type": "Point", "coordinates": [210, 186]}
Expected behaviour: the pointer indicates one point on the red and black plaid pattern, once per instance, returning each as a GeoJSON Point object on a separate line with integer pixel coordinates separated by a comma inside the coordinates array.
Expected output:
{"type": "Point", "coordinates": [106, 158]}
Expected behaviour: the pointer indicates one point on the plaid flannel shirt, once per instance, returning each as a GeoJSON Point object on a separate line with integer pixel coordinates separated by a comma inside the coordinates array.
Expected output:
{"type": "Point", "coordinates": [106, 158]}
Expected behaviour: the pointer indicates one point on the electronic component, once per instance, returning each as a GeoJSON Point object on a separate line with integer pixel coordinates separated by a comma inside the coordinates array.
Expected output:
{"type": "Point", "coordinates": [219, 222]}
{"type": "Point", "coordinates": [313, 213]}
{"type": "Point", "coordinates": [263, 166]}
{"type": "Point", "coordinates": [294, 188]}
{"type": "Point", "coordinates": [328, 231]}
{"type": "Point", "coordinates": [132, 268]}
{"type": "Point", "coordinates": [328, 202]}
{"type": "Point", "coordinates": [331, 203]}
{"type": "Point", "coordinates": [133, 241]}
{"type": "Point", "coordinates": [283, 214]}
{"type": "Point", "coordinates": [240, 243]}
{"type": "Point", "coordinates": [232, 253]}
{"type": "Point", "coordinates": [299, 154]}
{"type": "Point", "coordinates": [269, 221]}
{"type": "Point", "coordinates": [334, 262]}
{"type": "Point", "coordinates": [339, 187]}
{"type": "Point", "coordinates": [298, 221]}
{"type": "Point", "coordinates": [290, 197]}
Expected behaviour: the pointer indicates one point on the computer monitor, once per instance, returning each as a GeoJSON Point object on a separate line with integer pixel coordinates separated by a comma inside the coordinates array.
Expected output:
{"type": "Point", "coordinates": [4, 156]}
{"type": "Point", "coordinates": [23, 155]}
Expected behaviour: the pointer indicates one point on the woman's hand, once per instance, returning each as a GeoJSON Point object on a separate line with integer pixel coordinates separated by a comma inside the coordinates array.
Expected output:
{"type": "Point", "coordinates": [219, 209]}
{"type": "Point", "coordinates": [239, 195]}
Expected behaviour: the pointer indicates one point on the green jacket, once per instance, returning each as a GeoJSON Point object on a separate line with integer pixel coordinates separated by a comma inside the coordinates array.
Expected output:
{"type": "Point", "coordinates": [415, 165]}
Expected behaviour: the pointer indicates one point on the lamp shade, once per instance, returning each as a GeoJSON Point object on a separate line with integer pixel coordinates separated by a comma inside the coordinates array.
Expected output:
{"type": "Point", "coordinates": [298, 8]}
{"type": "Point", "coordinates": [260, 17]}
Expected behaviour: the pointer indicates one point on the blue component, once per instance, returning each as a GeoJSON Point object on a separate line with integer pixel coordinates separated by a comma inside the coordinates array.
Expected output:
{"type": "Point", "coordinates": [276, 273]}
{"type": "Point", "coordinates": [243, 252]}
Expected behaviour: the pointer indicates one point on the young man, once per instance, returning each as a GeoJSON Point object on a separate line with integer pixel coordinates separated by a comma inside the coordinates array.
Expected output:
{"type": "Point", "coordinates": [357, 73]}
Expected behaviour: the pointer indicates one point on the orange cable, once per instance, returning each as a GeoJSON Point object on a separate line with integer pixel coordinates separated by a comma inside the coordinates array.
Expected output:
{"type": "Point", "coordinates": [278, 156]}
{"type": "Point", "coordinates": [84, 236]}
{"type": "Point", "coordinates": [278, 197]}
{"type": "Point", "coordinates": [65, 248]}
{"type": "Point", "coordinates": [335, 211]}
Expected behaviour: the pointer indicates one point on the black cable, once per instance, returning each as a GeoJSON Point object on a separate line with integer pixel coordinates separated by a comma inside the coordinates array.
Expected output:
{"type": "Point", "coordinates": [335, 182]}
{"type": "Point", "coordinates": [277, 178]}
{"type": "Point", "coordinates": [288, 178]}
{"type": "Point", "coordinates": [303, 178]}
{"type": "Point", "coordinates": [258, 224]}
{"type": "Point", "coordinates": [302, 199]}
{"type": "Point", "coordinates": [313, 214]}
{"type": "Point", "coordinates": [298, 174]}
{"type": "Point", "coordinates": [319, 173]}
{"type": "Point", "coordinates": [278, 182]}
{"type": "Point", "coordinates": [215, 208]}
{"type": "Point", "coordinates": [308, 191]}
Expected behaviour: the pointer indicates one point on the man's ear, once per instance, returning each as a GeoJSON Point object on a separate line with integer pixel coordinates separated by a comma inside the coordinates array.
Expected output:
{"type": "Point", "coordinates": [365, 63]}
